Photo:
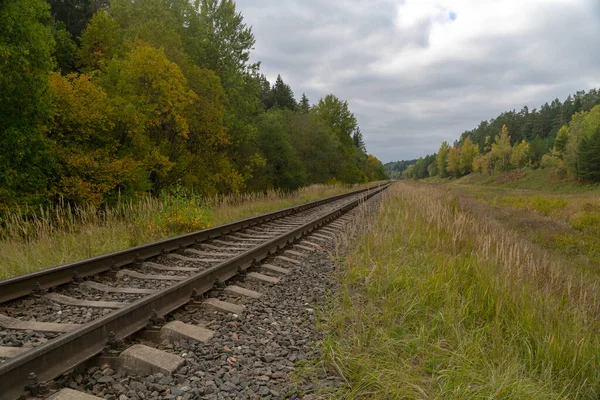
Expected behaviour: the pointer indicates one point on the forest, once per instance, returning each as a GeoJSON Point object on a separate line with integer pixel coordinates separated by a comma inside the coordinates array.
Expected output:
{"type": "Point", "coordinates": [560, 135]}
{"type": "Point", "coordinates": [103, 99]}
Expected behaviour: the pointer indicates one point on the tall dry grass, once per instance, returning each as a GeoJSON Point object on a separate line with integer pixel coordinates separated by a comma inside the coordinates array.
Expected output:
{"type": "Point", "coordinates": [440, 303]}
{"type": "Point", "coordinates": [31, 240]}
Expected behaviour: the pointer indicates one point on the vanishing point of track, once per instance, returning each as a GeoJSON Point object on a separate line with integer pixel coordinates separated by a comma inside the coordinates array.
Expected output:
{"type": "Point", "coordinates": [210, 257]}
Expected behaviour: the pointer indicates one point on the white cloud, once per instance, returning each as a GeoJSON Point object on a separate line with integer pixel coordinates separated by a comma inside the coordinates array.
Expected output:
{"type": "Point", "coordinates": [412, 75]}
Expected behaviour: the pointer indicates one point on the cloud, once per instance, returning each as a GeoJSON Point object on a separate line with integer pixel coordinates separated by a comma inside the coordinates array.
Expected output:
{"type": "Point", "coordinates": [417, 72]}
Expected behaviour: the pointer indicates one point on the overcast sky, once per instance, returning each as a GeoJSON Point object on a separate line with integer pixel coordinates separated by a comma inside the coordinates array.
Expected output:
{"type": "Point", "coordinates": [417, 72]}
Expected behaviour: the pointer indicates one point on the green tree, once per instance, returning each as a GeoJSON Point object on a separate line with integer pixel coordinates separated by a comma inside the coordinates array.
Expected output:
{"type": "Point", "coordinates": [152, 100]}
{"type": "Point", "coordinates": [519, 156]}
{"type": "Point", "coordinates": [501, 150]}
{"type": "Point", "coordinates": [26, 46]}
{"type": "Point", "coordinates": [467, 155]}
{"type": "Point", "coordinates": [357, 139]}
{"type": "Point", "coordinates": [99, 43]}
{"type": "Point", "coordinates": [75, 14]}
{"type": "Point", "coordinates": [561, 140]}
{"type": "Point", "coordinates": [336, 114]}
{"type": "Point", "coordinates": [283, 169]}
{"type": "Point", "coordinates": [442, 159]}
{"type": "Point", "coordinates": [304, 104]}
{"type": "Point", "coordinates": [65, 48]}
{"type": "Point", "coordinates": [589, 157]}
{"type": "Point", "coordinates": [283, 96]}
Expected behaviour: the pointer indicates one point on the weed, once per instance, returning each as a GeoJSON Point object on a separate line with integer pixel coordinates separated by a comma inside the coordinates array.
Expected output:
{"type": "Point", "coordinates": [31, 240]}
{"type": "Point", "coordinates": [441, 303]}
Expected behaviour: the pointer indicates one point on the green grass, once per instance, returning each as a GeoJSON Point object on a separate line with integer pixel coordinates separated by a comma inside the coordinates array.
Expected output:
{"type": "Point", "coordinates": [546, 180]}
{"type": "Point", "coordinates": [62, 234]}
{"type": "Point", "coordinates": [440, 303]}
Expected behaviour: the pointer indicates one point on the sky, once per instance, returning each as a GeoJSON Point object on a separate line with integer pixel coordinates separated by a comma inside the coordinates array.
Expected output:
{"type": "Point", "coordinates": [418, 72]}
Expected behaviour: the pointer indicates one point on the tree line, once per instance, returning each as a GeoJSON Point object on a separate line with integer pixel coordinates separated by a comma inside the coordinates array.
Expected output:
{"type": "Point", "coordinates": [100, 99]}
{"type": "Point", "coordinates": [564, 136]}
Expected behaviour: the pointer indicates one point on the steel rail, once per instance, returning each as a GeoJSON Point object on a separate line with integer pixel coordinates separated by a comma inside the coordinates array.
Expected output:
{"type": "Point", "coordinates": [59, 355]}
{"type": "Point", "coordinates": [23, 285]}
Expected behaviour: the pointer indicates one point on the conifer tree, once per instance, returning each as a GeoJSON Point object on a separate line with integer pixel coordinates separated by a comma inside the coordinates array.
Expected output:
{"type": "Point", "coordinates": [304, 105]}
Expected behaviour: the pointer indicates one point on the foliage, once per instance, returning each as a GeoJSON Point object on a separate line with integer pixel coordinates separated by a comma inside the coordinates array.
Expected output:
{"type": "Point", "coordinates": [589, 157]}
{"type": "Point", "coordinates": [396, 168]}
{"type": "Point", "coordinates": [26, 46]}
{"type": "Point", "coordinates": [548, 137]}
{"type": "Point", "coordinates": [148, 95]}
{"type": "Point", "coordinates": [442, 159]}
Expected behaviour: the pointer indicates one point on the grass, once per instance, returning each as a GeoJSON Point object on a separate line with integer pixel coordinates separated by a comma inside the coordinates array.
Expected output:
{"type": "Point", "coordinates": [63, 234]}
{"type": "Point", "coordinates": [540, 179]}
{"type": "Point", "coordinates": [441, 301]}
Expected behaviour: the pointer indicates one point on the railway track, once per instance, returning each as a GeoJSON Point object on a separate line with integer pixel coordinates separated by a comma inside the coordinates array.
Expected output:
{"type": "Point", "coordinates": [54, 320]}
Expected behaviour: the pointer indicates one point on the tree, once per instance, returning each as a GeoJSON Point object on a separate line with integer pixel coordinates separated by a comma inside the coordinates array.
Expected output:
{"type": "Point", "coordinates": [152, 100]}
{"type": "Point", "coordinates": [87, 152]}
{"type": "Point", "coordinates": [26, 46]}
{"type": "Point", "coordinates": [304, 104]}
{"type": "Point", "coordinates": [99, 43]}
{"type": "Point", "coordinates": [561, 140]}
{"type": "Point", "coordinates": [75, 14]}
{"type": "Point", "coordinates": [283, 169]}
{"type": "Point", "coordinates": [520, 154]}
{"type": "Point", "coordinates": [358, 140]}
{"type": "Point", "coordinates": [589, 157]}
{"type": "Point", "coordinates": [442, 159]}
{"type": "Point", "coordinates": [467, 155]}
{"type": "Point", "coordinates": [336, 114]}
{"type": "Point", "coordinates": [65, 48]}
{"type": "Point", "coordinates": [453, 163]}
{"type": "Point", "coordinates": [283, 96]}
{"type": "Point", "coordinates": [501, 150]}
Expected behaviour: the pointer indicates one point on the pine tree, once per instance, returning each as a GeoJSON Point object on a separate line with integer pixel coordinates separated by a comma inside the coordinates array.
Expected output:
{"type": "Point", "coordinates": [304, 104]}
{"type": "Point", "coordinates": [589, 157]}
{"type": "Point", "coordinates": [358, 140]}
{"type": "Point", "coordinates": [282, 95]}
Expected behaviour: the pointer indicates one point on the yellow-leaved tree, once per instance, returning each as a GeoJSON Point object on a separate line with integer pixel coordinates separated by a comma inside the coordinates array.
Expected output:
{"type": "Point", "coordinates": [453, 163]}
{"type": "Point", "coordinates": [467, 155]}
{"type": "Point", "coordinates": [501, 150]}
{"type": "Point", "coordinates": [90, 164]}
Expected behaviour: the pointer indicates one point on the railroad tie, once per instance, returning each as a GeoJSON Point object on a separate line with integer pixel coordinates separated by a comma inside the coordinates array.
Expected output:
{"type": "Point", "coordinates": [192, 259]}
{"type": "Point", "coordinates": [224, 306]}
{"type": "Point", "coordinates": [304, 247]}
{"type": "Point", "coordinates": [227, 243]}
{"type": "Point", "coordinates": [7, 322]}
{"type": "Point", "coordinates": [325, 237]}
{"type": "Point", "coordinates": [314, 245]}
{"type": "Point", "coordinates": [111, 289]}
{"type": "Point", "coordinates": [10, 352]}
{"type": "Point", "coordinates": [159, 267]}
{"type": "Point", "coordinates": [71, 301]}
{"type": "Point", "coordinates": [234, 290]}
{"type": "Point", "coordinates": [208, 253]}
{"type": "Point", "coordinates": [134, 274]}
{"type": "Point", "coordinates": [70, 394]}
{"type": "Point", "coordinates": [257, 236]}
{"type": "Point", "coordinates": [295, 253]}
{"type": "Point", "coordinates": [289, 260]}
{"type": "Point", "coordinates": [177, 330]}
{"type": "Point", "coordinates": [262, 277]}
{"type": "Point", "coordinates": [140, 359]}
{"type": "Point", "coordinates": [275, 269]}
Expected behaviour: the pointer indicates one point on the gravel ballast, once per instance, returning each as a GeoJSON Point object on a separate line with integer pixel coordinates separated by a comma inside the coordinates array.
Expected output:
{"type": "Point", "coordinates": [253, 355]}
